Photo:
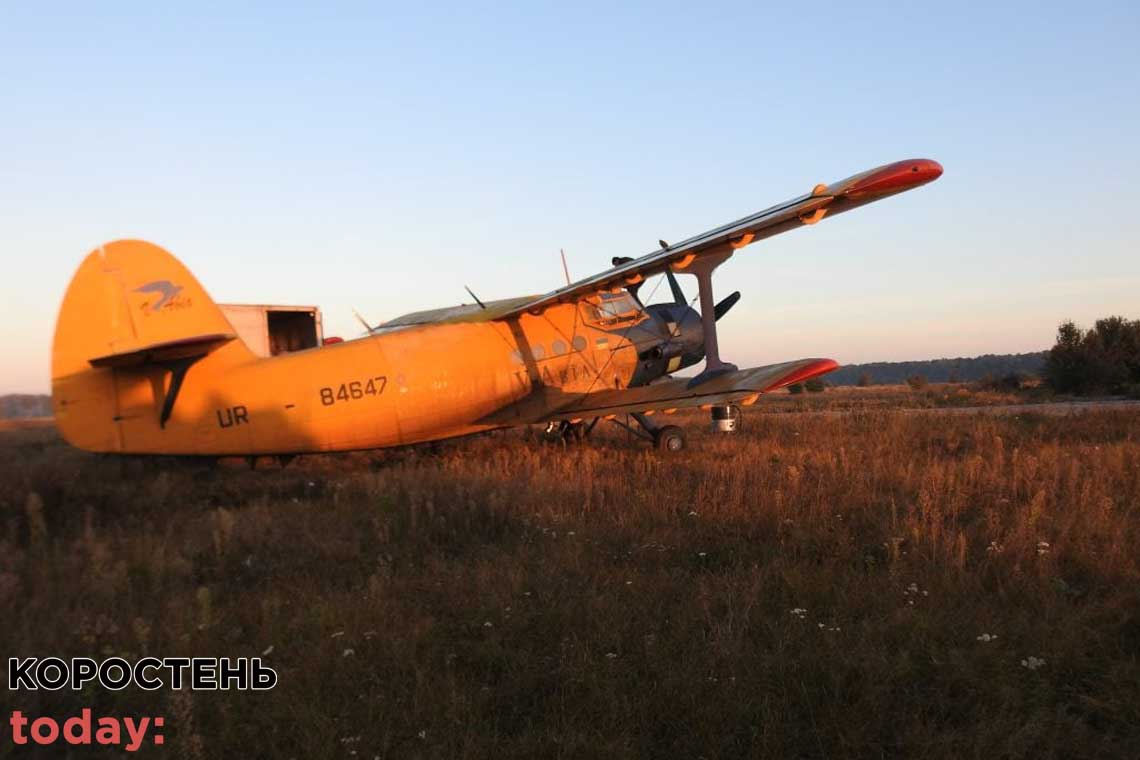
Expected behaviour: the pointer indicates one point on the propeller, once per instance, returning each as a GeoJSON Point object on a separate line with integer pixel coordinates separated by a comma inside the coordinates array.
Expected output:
{"type": "Point", "coordinates": [727, 303]}
{"type": "Point", "coordinates": [678, 294]}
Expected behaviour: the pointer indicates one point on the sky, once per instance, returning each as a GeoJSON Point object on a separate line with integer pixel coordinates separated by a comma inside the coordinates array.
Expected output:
{"type": "Point", "coordinates": [382, 157]}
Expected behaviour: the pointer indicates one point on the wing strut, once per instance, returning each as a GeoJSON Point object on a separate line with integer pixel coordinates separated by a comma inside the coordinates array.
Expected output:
{"type": "Point", "coordinates": [177, 369]}
{"type": "Point", "coordinates": [702, 268]}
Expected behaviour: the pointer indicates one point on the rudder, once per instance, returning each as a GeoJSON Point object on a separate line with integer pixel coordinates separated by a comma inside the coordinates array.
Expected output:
{"type": "Point", "coordinates": [133, 315]}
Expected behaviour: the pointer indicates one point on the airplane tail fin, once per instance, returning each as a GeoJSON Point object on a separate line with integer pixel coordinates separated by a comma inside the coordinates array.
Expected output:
{"type": "Point", "coordinates": [133, 317]}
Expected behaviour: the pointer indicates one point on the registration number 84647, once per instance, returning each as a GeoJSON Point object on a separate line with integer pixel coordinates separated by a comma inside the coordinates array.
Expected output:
{"type": "Point", "coordinates": [354, 390]}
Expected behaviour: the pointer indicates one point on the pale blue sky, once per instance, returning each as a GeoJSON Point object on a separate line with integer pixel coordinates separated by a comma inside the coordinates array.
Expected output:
{"type": "Point", "coordinates": [382, 157]}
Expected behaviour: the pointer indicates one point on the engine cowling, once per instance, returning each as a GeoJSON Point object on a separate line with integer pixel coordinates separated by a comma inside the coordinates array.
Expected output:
{"type": "Point", "coordinates": [675, 339]}
{"type": "Point", "coordinates": [681, 343]}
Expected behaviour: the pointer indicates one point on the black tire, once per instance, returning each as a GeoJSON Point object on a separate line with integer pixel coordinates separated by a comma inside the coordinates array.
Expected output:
{"type": "Point", "coordinates": [669, 438]}
{"type": "Point", "coordinates": [564, 432]}
{"type": "Point", "coordinates": [552, 433]}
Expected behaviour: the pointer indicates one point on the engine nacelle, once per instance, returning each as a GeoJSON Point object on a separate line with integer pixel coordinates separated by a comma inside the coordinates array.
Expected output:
{"type": "Point", "coordinates": [681, 344]}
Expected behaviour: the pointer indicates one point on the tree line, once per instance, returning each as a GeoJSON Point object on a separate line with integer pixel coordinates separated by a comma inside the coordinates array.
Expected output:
{"type": "Point", "coordinates": [25, 405]}
{"type": "Point", "coordinates": [957, 370]}
{"type": "Point", "coordinates": [1102, 359]}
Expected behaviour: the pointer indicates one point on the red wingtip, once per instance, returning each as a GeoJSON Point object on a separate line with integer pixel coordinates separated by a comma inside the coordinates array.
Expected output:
{"type": "Point", "coordinates": [894, 178]}
{"type": "Point", "coordinates": [806, 372]}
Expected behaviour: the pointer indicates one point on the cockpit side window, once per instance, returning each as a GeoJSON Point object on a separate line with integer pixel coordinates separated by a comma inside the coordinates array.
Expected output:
{"type": "Point", "coordinates": [612, 308]}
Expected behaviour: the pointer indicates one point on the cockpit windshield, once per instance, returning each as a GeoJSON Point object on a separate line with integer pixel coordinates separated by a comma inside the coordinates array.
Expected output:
{"type": "Point", "coordinates": [615, 307]}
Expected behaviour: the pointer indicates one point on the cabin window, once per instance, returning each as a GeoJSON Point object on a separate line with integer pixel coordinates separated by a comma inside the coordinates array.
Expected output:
{"type": "Point", "coordinates": [557, 348]}
{"type": "Point", "coordinates": [579, 343]}
{"type": "Point", "coordinates": [538, 351]}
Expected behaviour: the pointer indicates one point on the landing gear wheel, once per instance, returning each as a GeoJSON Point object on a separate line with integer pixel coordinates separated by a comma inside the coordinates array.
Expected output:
{"type": "Point", "coordinates": [552, 433]}
{"type": "Point", "coordinates": [564, 431]}
{"type": "Point", "coordinates": [669, 438]}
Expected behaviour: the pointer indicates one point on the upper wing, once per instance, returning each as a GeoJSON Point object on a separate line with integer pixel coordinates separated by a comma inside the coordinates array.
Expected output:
{"type": "Point", "coordinates": [823, 200]}
{"type": "Point", "coordinates": [454, 314]}
{"type": "Point", "coordinates": [731, 387]}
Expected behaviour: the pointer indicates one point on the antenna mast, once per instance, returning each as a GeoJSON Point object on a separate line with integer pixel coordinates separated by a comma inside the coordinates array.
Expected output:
{"type": "Point", "coordinates": [481, 304]}
{"type": "Point", "coordinates": [565, 269]}
{"type": "Point", "coordinates": [361, 320]}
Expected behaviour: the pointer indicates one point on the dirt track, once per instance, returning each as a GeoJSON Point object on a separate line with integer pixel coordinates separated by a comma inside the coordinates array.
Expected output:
{"type": "Point", "coordinates": [1058, 408]}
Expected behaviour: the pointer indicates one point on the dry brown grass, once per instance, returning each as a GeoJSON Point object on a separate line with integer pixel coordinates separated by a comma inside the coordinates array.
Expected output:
{"type": "Point", "coordinates": [501, 598]}
{"type": "Point", "coordinates": [932, 396]}
{"type": "Point", "coordinates": [25, 423]}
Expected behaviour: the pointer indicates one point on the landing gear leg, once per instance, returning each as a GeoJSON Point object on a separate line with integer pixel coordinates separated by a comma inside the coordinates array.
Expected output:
{"type": "Point", "coordinates": [649, 426]}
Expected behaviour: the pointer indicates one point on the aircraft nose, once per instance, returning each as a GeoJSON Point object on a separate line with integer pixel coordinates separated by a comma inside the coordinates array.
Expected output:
{"type": "Point", "coordinates": [896, 177]}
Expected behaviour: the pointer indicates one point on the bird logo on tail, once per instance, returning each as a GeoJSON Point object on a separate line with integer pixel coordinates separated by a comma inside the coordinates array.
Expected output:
{"type": "Point", "coordinates": [165, 288]}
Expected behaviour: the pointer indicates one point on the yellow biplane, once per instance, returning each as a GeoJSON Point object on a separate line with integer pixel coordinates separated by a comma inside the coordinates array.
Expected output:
{"type": "Point", "coordinates": [144, 362]}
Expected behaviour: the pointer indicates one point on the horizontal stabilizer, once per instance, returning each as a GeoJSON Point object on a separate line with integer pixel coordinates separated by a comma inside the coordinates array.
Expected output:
{"type": "Point", "coordinates": [157, 353]}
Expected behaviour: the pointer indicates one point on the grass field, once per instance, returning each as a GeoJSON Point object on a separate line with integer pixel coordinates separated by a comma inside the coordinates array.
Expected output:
{"type": "Point", "coordinates": [847, 585]}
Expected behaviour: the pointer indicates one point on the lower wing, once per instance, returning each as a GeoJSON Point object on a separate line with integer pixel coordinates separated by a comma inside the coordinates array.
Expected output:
{"type": "Point", "coordinates": [742, 386]}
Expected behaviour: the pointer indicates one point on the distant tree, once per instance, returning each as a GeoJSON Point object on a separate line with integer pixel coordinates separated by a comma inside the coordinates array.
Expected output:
{"type": "Point", "coordinates": [1118, 341]}
{"type": "Point", "coordinates": [796, 388]}
{"type": "Point", "coordinates": [1105, 359]}
{"type": "Point", "coordinates": [864, 380]}
{"type": "Point", "coordinates": [1066, 365]}
{"type": "Point", "coordinates": [916, 382]}
{"type": "Point", "coordinates": [815, 385]}
{"type": "Point", "coordinates": [1007, 383]}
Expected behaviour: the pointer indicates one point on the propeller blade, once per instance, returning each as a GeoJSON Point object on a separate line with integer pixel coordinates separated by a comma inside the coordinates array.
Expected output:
{"type": "Point", "coordinates": [729, 301]}
{"type": "Point", "coordinates": [678, 294]}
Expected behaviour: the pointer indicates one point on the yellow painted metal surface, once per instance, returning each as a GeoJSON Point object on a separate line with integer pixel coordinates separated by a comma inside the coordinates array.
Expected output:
{"type": "Point", "coordinates": [137, 307]}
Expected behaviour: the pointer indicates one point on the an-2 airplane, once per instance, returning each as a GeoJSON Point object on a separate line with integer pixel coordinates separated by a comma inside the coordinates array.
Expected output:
{"type": "Point", "coordinates": [143, 361]}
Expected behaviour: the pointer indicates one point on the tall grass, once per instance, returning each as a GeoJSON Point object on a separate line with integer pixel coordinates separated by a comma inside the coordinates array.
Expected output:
{"type": "Point", "coordinates": [813, 587]}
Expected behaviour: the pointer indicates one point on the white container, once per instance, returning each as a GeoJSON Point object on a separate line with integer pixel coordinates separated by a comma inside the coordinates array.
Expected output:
{"type": "Point", "coordinates": [726, 418]}
{"type": "Point", "coordinates": [271, 330]}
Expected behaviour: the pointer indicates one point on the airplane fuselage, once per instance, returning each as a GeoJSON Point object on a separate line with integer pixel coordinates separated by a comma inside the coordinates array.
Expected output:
{"type": "Point", "coordinates": [396, 387]}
